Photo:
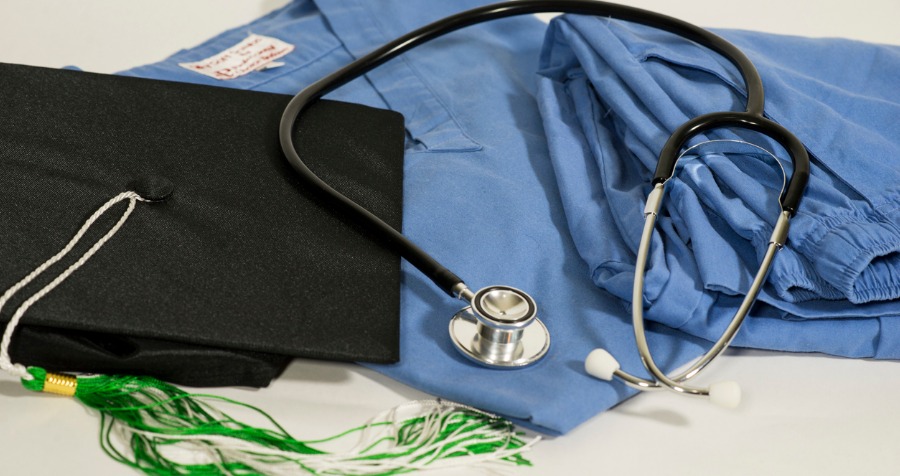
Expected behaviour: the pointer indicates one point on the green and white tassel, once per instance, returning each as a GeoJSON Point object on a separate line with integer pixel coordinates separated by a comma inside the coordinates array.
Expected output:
{"type": "Point", "coordinates": [160, 429]}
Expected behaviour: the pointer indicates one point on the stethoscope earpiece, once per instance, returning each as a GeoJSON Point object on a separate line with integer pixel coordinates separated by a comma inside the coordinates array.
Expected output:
{"type": "Point", "coordinates": [726, 394]}
{"type": "Point", "coordinates": [602, 365]}
{"type": "Point", "coordinates": [499, 328]}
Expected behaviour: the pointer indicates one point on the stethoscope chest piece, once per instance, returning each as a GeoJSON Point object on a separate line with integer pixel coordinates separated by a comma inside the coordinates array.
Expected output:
{"type": "Point", "coordinates": [500, 329]}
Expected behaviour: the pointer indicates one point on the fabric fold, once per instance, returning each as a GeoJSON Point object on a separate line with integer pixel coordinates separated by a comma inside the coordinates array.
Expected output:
{"type": "Point", "coordinates": [649, 82]}
{"type": "Point", "coordinates": [634, 84]}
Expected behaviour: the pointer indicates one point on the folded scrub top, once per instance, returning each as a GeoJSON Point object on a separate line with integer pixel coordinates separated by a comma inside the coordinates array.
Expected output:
{"type": "Point", "coordinates": [480, 194]}
{"type": "Point", "coordinates": [611, 93]}
{"type": "Point", "coordinates": [235, 271]}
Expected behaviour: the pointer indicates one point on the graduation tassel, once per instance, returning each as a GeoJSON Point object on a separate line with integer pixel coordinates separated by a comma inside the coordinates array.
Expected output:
{"type": "Point", "coordinates": [160, 429]}
{"type": "Point", "coordinates": [171, 432]}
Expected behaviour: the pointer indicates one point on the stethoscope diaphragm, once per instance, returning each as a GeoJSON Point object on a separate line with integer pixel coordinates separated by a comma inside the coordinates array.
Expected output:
{"type": "Point", "coordinates": [500, 329]}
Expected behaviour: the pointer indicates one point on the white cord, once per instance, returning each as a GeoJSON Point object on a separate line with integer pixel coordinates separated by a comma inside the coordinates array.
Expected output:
{"type": "Point", "coordinates": [20, 370]}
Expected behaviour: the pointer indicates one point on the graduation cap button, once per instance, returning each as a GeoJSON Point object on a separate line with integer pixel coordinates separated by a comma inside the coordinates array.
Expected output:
{"type": "Point", "coordinates": [153, 188]}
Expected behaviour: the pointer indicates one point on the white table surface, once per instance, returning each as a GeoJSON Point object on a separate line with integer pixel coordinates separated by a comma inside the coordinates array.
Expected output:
{"type": "Point", "coordinates": [802, 414]}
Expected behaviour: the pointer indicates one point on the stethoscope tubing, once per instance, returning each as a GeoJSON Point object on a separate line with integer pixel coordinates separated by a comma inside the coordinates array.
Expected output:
{"type": "Point", "coordinates": [440, 275]}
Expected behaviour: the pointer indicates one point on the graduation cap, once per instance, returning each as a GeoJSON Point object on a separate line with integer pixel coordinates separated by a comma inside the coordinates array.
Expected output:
{"type": "Point", "coordinates": [225, 269]}
{"type": "Point", "coordinates": [234, 269]}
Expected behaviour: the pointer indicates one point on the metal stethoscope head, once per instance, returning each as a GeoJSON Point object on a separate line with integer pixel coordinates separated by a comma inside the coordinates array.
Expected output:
{"type": "Point", "coordinates": [499, 328]}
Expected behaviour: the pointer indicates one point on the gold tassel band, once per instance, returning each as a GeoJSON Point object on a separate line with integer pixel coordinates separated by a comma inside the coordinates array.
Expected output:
{"type": "Point", "coordinates": [60, 384]}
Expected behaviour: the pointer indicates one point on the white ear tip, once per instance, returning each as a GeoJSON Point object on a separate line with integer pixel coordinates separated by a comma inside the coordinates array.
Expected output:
{"type": "Point", "coordinates": [725, 394]}
{"type": "Point", "coordinates": [601, 364]}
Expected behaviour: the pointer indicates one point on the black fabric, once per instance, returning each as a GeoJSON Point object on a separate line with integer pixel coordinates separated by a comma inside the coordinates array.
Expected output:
{"type": "Point", "coordinates": [235, 269]}
{"type": "Point", "coordinates": [179, 363]}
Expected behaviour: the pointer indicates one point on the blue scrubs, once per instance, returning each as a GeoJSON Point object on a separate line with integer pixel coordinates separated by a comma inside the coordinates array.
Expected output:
{"type": "Point", "coordinates": [611, 93]}
{"type": "Point", "coordinates": [498, 200]}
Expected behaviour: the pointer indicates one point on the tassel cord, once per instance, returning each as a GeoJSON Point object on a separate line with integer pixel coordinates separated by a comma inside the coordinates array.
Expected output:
{"type": "Point", "coordinates": [5, 361]}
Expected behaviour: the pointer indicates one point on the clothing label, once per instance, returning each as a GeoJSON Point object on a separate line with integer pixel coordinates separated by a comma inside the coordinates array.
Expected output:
{"type": "Point", "coordinates": [255, 53]}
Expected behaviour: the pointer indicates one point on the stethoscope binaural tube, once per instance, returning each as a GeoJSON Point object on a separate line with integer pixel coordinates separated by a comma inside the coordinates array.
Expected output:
{"type": "Point", "coordinates": [450, 282]}
{"type": "Point", "coordinates": [603, 365]}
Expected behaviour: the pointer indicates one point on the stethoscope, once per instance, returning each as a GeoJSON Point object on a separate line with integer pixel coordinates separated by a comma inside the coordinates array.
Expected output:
{"type": "Point", "coordinates": [499, 327]}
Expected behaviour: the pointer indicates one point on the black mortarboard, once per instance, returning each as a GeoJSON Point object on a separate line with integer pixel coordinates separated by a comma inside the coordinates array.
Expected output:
{"type": "Point", "coordinates": [238, 270]}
